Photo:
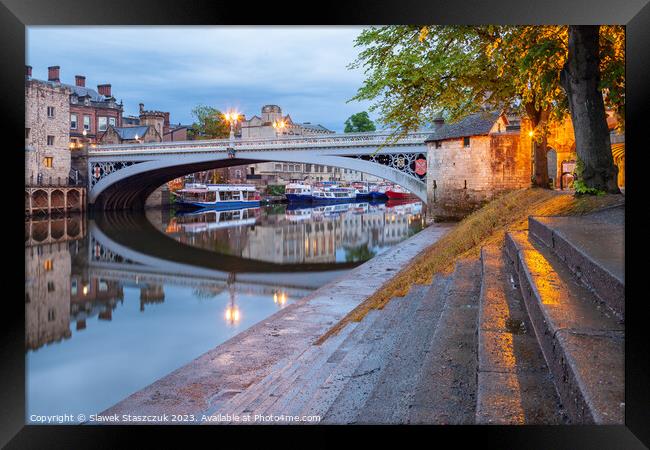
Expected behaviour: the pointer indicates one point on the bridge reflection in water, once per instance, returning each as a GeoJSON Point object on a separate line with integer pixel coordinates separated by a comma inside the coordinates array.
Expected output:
{"type": "Point", "coordinates": [115, 302]}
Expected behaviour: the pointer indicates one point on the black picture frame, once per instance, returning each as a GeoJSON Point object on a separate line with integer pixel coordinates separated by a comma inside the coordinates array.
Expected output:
{"type": "Point", "coordinates": [15, 15]}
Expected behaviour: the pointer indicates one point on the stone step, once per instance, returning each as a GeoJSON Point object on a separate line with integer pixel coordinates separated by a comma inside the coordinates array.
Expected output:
{"type": "Point", "coordinates": [582, 342]}
{"type": "Point", "coordinates": [445, 392]}
{"type": "Point", "coordinates": [592, 246]}
{"type": "Point", "coordinates": [381, 338]}
{"type": "Point", "coordinates": [359, 348]}
{"type": "Point", "coordinates": [393, 393]}
{"type": "Point", "coordinates": [514, 384]}
{"type": "Point", "coordinates": [283, 394]}
{"type": "Point", "coordinates": [306, 392]}
{"type": "Point", "coordinates": [255, 394]}
{"type": "Point", "coordinates": [272, 400]}
{"type": "Point", "coordinates": [298, 390]}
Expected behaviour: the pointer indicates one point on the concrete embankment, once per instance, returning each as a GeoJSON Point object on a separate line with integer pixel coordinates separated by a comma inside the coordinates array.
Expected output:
{"type": "Point", "coordinates": [229, 369]}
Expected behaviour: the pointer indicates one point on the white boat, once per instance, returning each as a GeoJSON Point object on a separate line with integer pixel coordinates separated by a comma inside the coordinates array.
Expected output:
{"type": "Point", "coordinates": [218, 196]}
{"type": "Point", "coordinates": [211, 219]}
{"type": "Point", "coordinates": [334, 195]}
{"type": "Point", "coordinates": [298, 192]}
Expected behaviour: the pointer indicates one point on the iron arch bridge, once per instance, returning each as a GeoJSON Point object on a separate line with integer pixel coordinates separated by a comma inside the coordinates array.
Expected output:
{"type": "Point", "coordinates": [123, 176]}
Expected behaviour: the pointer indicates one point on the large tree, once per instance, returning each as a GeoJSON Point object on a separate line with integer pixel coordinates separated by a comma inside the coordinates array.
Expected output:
{"type": "Point", "coordinates": [209, 123]}
{"type": "Point", "coordinates": [359, 123]}
{"type": "Point", "coordinates": [416, 73]}
{"type": "Point", "coordinates": [580, 79]}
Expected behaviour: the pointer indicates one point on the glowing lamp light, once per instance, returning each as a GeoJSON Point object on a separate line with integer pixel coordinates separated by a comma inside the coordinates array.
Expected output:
{"type": "Point", "coordinates": [530, 133]}
{"type": "Point", "coordinates": [232, 314]}
{"type": "Point", "coordinates": [85, 289]}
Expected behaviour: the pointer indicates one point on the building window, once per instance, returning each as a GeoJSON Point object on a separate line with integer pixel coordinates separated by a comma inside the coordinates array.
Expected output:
{"type": "Point", "coordinates": [111, 121]}
{"type": "Point", "coordinates": [87, 123]}
{"type": "Point", "coordinates": [27, 130]}
{"type": "Point", "coordinates": [102, 123]}
{"type": "Point", "coordinates": [50, 112]}
{"type": "Point", "coordinates": [47, 162]}
{"type": "Point", "coordinates": [73, 121]}
{"type": "Point", "coordinates": [50, 286]}
{"type": "Point", "coordinates": [50, 315]}
{"type": "Point", "coordinates": [438, 144]}
{"type": "Point", "coordinates": [50, 140]}
{"type": "Point", "coordinates": [466, 141]}
{"type": "Point", "coordinates": [73, 287]}
{"type": "Point", "coordinates": [48, 265]}
{"type": "Point", "coordinates": [307, 167]}
{"type": "Point", "coordinates": [278, 167]}
{"type": "Point", "coordinates": [329, 169]}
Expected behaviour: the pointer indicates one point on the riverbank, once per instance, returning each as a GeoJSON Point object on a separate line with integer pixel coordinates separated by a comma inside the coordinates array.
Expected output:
{"type": "Point", "coordinates": [485, 226]}
{"type": "Point", "coordinates": [230, 368]}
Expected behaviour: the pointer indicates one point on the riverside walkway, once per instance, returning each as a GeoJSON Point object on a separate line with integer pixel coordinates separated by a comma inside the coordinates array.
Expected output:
{"type": "Point", "coordinates": [532, 332]}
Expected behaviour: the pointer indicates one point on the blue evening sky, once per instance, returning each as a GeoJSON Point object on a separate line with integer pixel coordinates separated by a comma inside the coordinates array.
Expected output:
{"type": "Point", "coordinates": [302, 69]}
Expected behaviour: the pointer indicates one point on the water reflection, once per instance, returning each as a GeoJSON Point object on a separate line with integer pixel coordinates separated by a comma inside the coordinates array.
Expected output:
{"type": "Point", "coordinates": [287, 235]}
{"type": "Point", "coordinates": [115, 302]}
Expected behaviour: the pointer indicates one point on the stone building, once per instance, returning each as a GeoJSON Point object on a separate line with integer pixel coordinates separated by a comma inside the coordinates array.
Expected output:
{"type": "Point", "coordinates": [561, 150]}
{"type": "Point", "coordinates": [47, 294]}
{"type": "Point", "coordinates": [471, 161]}
{"type": "Point", "coordinates": [263, 126]}
{"type": "Point", "coordinates": [130, 135]}
{"type": "Point", "coordinates": [47, 115]}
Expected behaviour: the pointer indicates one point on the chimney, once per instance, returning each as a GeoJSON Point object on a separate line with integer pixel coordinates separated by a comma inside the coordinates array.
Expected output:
{"type": "Point", "coordinates": [53, 73]}
{"type": "Point", "coordinates": [141, 108]}
{"type": "Point", "coordinates": [438, 122]}
{"type": "Point", "coordinates": [80, 80]}
{"type": "Point", "coordinates": [104, 89]}
{"type": "Point", "coordinates": [28, 71]}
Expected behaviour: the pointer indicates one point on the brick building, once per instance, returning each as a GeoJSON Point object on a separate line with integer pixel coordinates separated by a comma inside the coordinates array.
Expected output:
{"type": "Point", "coordinates": [471, 161]}
{"type": "Point", "coordinates": [47, 115]}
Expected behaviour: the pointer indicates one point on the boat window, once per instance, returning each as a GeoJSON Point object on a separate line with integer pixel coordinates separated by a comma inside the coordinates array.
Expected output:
{"type": "Point", "coordinates": [211, 196]}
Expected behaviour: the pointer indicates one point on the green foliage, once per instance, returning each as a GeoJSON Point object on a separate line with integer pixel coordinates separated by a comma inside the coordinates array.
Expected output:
{"type": "Point", "coordinates": [209, 123]}
{"type": "Point", "coordinates": [358, 123]}
{"type": "Point", "coordinates": [580, 186]}
{"type": "Point", "coordinates": [275, 189]}
{"type": "Point", "coordinates": [415, 73]}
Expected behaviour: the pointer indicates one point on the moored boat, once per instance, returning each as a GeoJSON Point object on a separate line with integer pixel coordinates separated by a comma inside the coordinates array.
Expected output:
{"type": "Point", "coordinates": [334, 195]}
{"type": "Point", "coordinates": [218, 196]}
{"type": "Point", "coordinates": [298, 192]}
{"type": "Point", "coordinates": [398, 193]}
{"type": "Point", "coordinates": [378, 191]}
{"type": "Point", "coordinates": [362, 190]}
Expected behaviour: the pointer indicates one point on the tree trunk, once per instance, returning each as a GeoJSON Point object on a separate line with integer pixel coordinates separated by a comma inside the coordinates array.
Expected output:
{"type": "Point", "coordinates": [537, 119]}
{"type": "Point", "coordinates": [580, 79]}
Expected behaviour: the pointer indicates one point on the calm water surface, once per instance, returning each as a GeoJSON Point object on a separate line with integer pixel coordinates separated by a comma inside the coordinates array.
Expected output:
{"type": "Point", "coordinates": [115, 302]}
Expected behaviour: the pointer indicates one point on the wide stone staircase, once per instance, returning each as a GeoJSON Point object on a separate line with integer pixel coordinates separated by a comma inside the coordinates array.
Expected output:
{"type": "Point", "coordinates": [529, 333]}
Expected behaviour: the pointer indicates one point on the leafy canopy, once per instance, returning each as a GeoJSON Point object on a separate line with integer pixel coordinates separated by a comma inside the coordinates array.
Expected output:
{"type": "Point", "coordinates": [358, 123]}
{"type": "Point", "coordinates": [209, 123]}
{"type": "Point", "coordinates": [417, 73]}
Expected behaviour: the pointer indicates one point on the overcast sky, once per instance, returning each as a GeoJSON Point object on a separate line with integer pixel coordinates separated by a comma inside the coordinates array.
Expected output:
{"type": "Point", "coordinates": [302, 69]}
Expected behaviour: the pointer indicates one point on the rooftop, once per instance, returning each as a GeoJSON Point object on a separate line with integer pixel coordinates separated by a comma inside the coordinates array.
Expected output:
{"type": "Point", "coordinates": [473, 125]}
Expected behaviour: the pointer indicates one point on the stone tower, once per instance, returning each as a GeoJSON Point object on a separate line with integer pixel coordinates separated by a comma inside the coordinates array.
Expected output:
{"type": "Point", "coordinates": [155, 119]}
{"type": "Point", "coordinates": [271, 113]}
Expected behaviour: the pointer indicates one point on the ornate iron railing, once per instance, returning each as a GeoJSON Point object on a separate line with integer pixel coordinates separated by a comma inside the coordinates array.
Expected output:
{"type": "Point", "coordinates": [377, 139]}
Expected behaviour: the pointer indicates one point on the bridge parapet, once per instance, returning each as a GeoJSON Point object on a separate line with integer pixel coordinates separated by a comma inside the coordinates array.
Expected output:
{"type": "Point", "coordinates": [374, 139]}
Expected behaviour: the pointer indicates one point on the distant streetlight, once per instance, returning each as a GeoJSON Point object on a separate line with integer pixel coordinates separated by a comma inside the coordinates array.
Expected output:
{"type": "Point", "coordinates": [232, 117]}
{"type": "Point", "coordinates": [279, 126]}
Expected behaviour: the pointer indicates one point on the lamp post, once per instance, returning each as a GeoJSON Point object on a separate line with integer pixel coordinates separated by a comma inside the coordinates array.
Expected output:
{"type": "Point", "coordinates": [279, 126]}
{"type": "Point", "coordinates": [232, 117]}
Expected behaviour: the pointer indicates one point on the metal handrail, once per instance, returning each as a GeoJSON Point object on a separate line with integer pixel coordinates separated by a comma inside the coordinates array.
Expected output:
{"type": "Point", "coordinates": [371, 138]}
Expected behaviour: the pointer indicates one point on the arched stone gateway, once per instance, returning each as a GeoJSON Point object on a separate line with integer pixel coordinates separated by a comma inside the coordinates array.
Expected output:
{"type": "Point", "coordinates": [123, 176]}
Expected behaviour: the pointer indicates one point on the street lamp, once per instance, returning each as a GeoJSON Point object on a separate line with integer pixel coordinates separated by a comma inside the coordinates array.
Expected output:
{"type": "Point", "coordinates": [232, 117]}
{"type": "Point", "coordinates": [279, 126]}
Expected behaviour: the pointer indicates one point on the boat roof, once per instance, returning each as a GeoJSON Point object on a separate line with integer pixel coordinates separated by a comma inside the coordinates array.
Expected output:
{"type": "Point", "coordinates": [231, 187]}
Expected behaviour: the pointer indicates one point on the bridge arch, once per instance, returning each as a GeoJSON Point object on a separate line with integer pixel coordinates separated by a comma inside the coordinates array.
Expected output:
{"type": "Point", "coordinates": [129, 187]}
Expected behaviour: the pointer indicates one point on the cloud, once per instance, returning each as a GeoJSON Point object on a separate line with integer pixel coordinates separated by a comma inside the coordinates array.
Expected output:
{"type": "Point", "coordinates": [302, 69]}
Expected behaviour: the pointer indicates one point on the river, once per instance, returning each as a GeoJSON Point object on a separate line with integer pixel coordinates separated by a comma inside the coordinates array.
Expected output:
{"type": "Point", "coordinates": [115, 302]}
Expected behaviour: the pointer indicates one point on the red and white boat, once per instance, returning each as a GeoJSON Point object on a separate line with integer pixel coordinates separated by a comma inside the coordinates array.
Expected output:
{"type": "Point", "coordinates": [398, 193]}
